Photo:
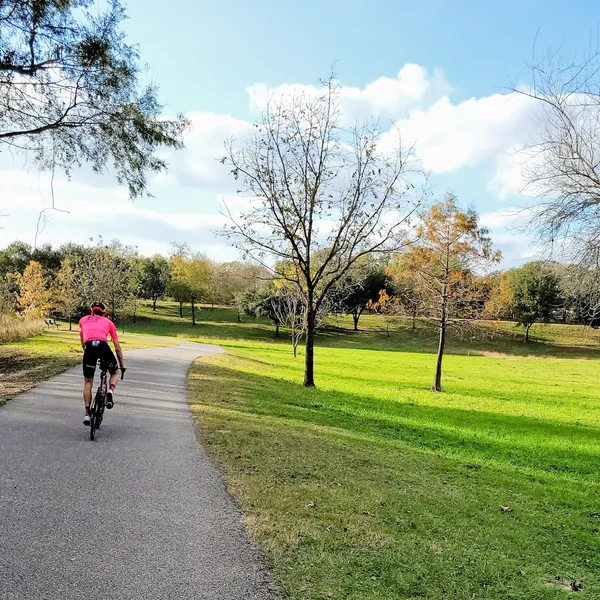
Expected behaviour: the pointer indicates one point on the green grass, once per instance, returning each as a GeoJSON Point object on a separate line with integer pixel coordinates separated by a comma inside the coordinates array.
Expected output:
{"type": "Point", "coordinates": [25, 364]}
{"type": "Point", "coordinates": [220, 325]}
{"type": "Point", "coordinates": [372, 487]}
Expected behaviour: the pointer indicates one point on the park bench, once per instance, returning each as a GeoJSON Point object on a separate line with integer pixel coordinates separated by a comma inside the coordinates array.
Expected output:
{"type": "Point", "coordinates": [52, 323]}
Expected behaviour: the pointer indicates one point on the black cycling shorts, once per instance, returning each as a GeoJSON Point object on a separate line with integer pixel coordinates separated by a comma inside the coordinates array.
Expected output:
{"type": "Point", "coordinates": [95, 351]}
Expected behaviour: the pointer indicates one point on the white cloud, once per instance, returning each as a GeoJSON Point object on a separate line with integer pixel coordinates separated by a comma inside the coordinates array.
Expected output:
{"type": "Point", "coordinates": [87, 211]}
{"type": "Point", "coordinates": [451, 136]}
{"type": "Point", "coordinates": [386, 97]}
{"type": "Point", "coordinates": [507, 230]}
{"type": "Point", "coordinates": [508, 180]}
{"type": "Point", "coordinates": [198, 165]}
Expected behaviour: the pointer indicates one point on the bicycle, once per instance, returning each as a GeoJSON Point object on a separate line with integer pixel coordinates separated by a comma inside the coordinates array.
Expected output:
{"type": "Point", "coordinates": [99, 401]}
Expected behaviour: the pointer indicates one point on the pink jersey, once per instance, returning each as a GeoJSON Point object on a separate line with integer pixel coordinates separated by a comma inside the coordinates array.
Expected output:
{"type": "Point", "coordinates": [94, 327]}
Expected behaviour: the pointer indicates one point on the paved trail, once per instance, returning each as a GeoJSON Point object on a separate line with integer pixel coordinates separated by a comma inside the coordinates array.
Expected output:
{"type": "Point", "coordinates": [138, 514]}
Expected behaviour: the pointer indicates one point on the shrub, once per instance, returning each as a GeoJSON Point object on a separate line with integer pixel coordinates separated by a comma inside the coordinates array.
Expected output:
{"type": "Point", "coordinates": [14, 328]}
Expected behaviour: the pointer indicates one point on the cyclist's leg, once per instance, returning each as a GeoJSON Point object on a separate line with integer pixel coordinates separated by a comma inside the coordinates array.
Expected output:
{"type": "Point", "coordinates": [89, 368]}
{"type": "Point", "coordinates": [87, 392]}
{"type": "Point", "coordinates": [111, 365]}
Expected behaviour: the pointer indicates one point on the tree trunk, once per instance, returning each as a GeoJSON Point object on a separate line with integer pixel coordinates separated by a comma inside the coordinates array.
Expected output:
{"type": "Point", "coordinates": [414, 318]}
{"type": "Point", "coordinates": [437, 385]}
{"type": "Point", "coordinates": [193, 313]}
{"type": "Point", "coordinates": [181, 310]}
{"type": "Point", "coordinates": [355, 317]}
{"type": "Point", "coordinates": [154, 304]}
{"type": "Point", "coordinates": [527, 328]}
{"type": "Point", "coordinates": [70, 324]}
{"type": "Point", "coordinates": [276, 330]}
{"type": "Point", "coordinates": [239, 318]}
{"type": "Point", "coordinates": [309, 365]}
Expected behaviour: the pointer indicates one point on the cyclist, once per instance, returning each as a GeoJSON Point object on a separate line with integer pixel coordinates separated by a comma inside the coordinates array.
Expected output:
{"type": "Point", "coordinates": [94, 330]}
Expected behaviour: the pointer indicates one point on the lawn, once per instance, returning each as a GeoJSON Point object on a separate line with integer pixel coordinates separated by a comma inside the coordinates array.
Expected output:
{"type": "Point", "coordinates": [221, 324]}
{"type": "Point", "coordinates": [25, 364]}
{"type": "Point", "coordinates": [373, 487]}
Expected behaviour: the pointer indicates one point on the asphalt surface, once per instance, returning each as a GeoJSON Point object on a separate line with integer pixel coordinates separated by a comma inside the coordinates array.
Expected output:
{"type": "Point", "coordinates": [138, 513]}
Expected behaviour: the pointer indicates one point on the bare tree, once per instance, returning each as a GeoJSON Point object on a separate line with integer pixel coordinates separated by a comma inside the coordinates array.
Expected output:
{"type": "Point", "coordinates": [320, 197]}
{"type": "Point", "coordinates": [580, 288]}
{"type": "Point", "coordinates": [562, 162]}
{"type": "Point", "coordinates": [290, 312]}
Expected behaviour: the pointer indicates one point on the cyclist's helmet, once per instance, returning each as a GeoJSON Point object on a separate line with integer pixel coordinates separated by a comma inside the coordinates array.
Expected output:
{"type": "Point", "coordinates": [99, 308]}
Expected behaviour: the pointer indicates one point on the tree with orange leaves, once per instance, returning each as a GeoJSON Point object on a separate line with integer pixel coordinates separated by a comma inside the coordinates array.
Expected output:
{"type": "Point", "coordinates": [450, 250]}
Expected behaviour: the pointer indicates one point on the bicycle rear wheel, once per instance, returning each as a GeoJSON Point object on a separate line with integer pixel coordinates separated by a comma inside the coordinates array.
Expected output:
{"type": "Point", "coordinates": [93, 424]}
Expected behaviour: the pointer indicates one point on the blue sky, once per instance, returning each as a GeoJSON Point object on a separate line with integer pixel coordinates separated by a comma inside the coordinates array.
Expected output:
{"type": "Point", "coordinates": [205, 56]}
{"type": "Point", "coordinates": [209, 57]}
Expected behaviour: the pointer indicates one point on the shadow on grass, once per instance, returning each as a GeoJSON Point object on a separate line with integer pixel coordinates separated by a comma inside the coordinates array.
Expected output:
{"type": "Point", "coordinates": [221, 323]}
{"type": "Point", "coordinates": [531, 445]}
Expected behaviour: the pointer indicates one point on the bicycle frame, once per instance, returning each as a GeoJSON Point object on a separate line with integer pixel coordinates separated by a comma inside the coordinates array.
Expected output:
{"type": "Point", "coordinates": [98, 403]}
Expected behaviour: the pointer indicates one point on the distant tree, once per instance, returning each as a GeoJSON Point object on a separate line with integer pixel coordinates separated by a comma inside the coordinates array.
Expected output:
{"type": "Point", "coordinates": [500, 304]}
{"type": "Point", "coordinates": [74, 252]}
{"type": "Point", "coordinates": [35, 299]}
{"type": "Point", "coordinates": [450, 248]}
{"type": "Point", "coordinates": [197, 274]}
{"type": "Point", "coordinates": [266, 307]}
{"type": "Point", "coordinates": [536, 294]}
{"type": "Point", "coordinates": [389, 307]}
{"type": "Point", "coordinates": [231, 278]}
{"type": "Point", "coordinates": [289, 311]}
{"type": "Point", "coordinates": [320, 196]}
{"type": "Point", "coordinates": [8, 296]}
{"type": "Point", "coordinates": [580, 290]}
{"type": "Point", "coordinates": [260, 302]}
{"type": "Point", "coordinates": [106, 273]}
{"type": "Point", "coordinates": [179, 287]}
{"type": "Point", "coordinates": [133, 281]}
{"type": "Point", "coordinates": [70, 91]}
{"type": "Point", "coordinates": [361, 287]}
{"type": "Point", "coordinates": [247, 302]}
{"type": "Point", "coordinates": [17, 255]}
{"type": "Point", "coordinates": [155, 278]}
{"type": "Point", "coordinates": [64, 289]}
{"type": "Point", "coordinates": [407, 293]}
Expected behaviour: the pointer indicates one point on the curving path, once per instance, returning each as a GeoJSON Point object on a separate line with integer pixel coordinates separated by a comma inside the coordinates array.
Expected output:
{"type": "Point", "coordinates": [138, 514]}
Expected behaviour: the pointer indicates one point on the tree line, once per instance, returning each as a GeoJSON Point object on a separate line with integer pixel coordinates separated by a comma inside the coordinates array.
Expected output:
{"type": "Point", "coordinates": [63, 282]}
{"type": "Point", "coordinates": [443, 279]}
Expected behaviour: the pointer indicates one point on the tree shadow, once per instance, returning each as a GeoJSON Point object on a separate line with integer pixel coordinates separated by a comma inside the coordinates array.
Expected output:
{"type": "Point", "coordinates": [538, 446]}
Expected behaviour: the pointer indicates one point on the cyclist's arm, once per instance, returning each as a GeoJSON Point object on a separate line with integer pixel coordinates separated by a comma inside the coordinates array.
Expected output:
{"type": "Point", "coordinates": [115, 340]}
{"type": "Point", "coordinates": [119, 353]}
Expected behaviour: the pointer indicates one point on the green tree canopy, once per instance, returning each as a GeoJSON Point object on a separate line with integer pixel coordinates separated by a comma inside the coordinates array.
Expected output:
{"type": "Point", "coordinates": [70, 91]}
{"type": "Point", "coordinates": [536, 294]}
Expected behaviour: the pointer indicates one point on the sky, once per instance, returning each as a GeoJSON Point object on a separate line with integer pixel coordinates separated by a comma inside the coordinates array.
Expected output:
{"type": "Point", "coordinates": [441, 70]}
